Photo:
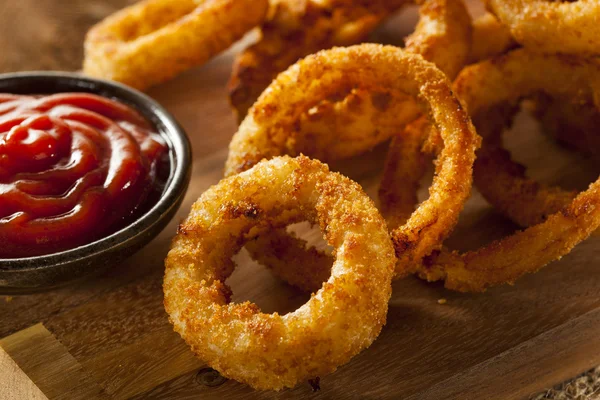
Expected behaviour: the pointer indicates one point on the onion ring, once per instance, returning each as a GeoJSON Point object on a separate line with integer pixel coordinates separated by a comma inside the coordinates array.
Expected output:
{"type": "Point", "coordinates": [268, 131]}
{"type": "Point", "coordinates": [486, 86]}
{"type": "Point", "coordinates": [524, 200]}
{"type": "Point", "coordinates": [571, 122]}
{"type": "Point", "coordinates": [154, 40]}
{"type": "Point", "coordinates": [298, 28]}
{"type": "Point", "coordinates": [568, 121]}
{"type": "Point", "coordinates": [550, 26]}
{"type": "Point", "coordinates": [270, 351]}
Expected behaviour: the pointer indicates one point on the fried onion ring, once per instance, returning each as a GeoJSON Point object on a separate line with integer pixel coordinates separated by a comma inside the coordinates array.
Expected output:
{"type": "Point", "coordinates": [272, 351]}
{"type": "Point", "coordinates": [154, 40]}
{"type": "Point", "coordinates": [504, 183]}
{"type": "Point", "coordinates": [298, 28]}
{"type": "Point", "coordinates": [551, 26]}
{"type": "Point", "coordinates": [484, 87]}
{"type": "Point", "coordinates": [571, 122]}
{"type": "Point", "coordinates": [268, 131]}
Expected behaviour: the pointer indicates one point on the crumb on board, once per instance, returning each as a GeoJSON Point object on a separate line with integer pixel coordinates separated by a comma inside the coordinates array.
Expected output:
{"type": "Point", "coordinates": [8, 299]}
{"type": "Point", "coordinates": [442, 301]}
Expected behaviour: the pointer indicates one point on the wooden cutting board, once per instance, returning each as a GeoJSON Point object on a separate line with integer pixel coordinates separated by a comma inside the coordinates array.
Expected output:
{"type": "Point", "coordinates": [109, 337]}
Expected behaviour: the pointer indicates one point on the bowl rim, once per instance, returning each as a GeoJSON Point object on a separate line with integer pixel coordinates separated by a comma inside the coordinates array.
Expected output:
{"type": "Point", "coordinates": [176, 185]}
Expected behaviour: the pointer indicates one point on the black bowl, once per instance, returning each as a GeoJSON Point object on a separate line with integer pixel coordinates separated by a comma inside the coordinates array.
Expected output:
{"type": "Point", "coordinates": [23, 275]}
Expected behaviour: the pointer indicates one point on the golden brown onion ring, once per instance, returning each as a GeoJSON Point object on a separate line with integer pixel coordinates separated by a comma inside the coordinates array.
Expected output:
{"type": "Point", "coordinates": [154, 40]}
{"type": "Point", "coordinates": [272, 351]}
{"type": "Point", "coordinates": [353, 120]}
{"type": "Point", "coordinates": [269, 131]}
{"type": "Point", "coordinates": [485, 87]}
{"type": "Point", "coordinates": [297, 28]}
{"type": "Point", "coordinates": [572, 122]}
{"type": "Point", "coordinates": [551, 26]}
{"type": "Point", "coordinates": [569, 121]}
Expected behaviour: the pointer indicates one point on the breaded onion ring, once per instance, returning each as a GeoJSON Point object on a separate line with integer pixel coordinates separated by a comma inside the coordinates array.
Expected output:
{"type": "Point", "coordinates": [154, 40]}
{"type": "Point", "coordinates": [522, 199]}
{"type": "Point", "coordinates": [269, 131]}
{"type": "Point", "coordinates": [352, 120]}
{"type": "Point", "coordinates": [490, 38]}
{"type": "Point", "coordinates": [485, 87]}
{"type": "Point", "coordinates": [272, 351]}
{"type": "Point", "coordinates": [551, 26]}
{"type": "Point", "coordinates": [297, 28]}
{"type": "Point", "coordinates": [572, 122]}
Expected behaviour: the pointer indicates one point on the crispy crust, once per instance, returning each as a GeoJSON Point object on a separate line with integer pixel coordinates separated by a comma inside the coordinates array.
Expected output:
{"type": "Point", "coordinates": [490, 38]}
{"type": "Point", "coordinates": [442, 35]}
{"type": "Point", "coordinates": [154, 40]}
{"type": "Point", "coordinates": [484, 87]}
{"type": "Point", "coordinates": [268, 131]}
{"type": "Point", "coordinates": [551, 27]}
{"type": "Point", "coordinates": [404, 168]}
{"type": "Point", "coordinates": [572, 122]}
{"type": "Point", "coordinates": [295, 29]}
{"type": "Point", "coordinates": [571, 118]}
{"type": "Point", "coordinates": [271, 351]}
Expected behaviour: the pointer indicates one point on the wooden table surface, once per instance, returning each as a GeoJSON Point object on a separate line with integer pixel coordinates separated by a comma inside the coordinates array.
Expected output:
{"type": "Point", "coordinates": [109, 331]}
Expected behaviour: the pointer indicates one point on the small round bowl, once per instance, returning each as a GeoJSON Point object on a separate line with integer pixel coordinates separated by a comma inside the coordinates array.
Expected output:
{"type": "Point", "coordinates": [24, 275]}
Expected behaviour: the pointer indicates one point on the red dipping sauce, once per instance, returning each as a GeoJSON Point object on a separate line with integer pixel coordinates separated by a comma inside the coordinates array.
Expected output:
{"type": "Point", "coordinates": [74, 168]}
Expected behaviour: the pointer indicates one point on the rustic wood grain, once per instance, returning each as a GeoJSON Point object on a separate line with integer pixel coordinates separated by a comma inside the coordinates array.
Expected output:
{"type": "Point", "coordinates": [114, 332]}
{"type": "Point", "coordinates": [514, 376]}
{"type": "Point", "coordinates": [14, 383]}
{"type": "Point", "coordinates": [55, 372]}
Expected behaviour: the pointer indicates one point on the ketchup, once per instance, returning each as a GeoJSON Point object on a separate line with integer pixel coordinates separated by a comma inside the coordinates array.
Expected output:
{"type": "Point", "coordinates": [74, 168]}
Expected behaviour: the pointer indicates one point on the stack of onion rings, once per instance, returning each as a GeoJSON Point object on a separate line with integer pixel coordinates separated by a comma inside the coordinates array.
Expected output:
{"type": "Point", "coordinates": [332, 130]}
{"type": "Point", "coordinates": [502, 261]}
{"type": "Point", "coordinates": [271, 351]}
{"type": "Point", "coordinates": [341, 102]}
{"type": "Point", "coordinates": [154, 40]}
